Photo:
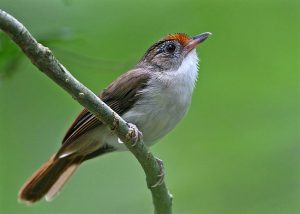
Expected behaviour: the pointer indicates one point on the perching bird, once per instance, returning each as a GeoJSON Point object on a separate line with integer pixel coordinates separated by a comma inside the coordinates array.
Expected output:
{"type": "Point", "coordinates": [154, 95]}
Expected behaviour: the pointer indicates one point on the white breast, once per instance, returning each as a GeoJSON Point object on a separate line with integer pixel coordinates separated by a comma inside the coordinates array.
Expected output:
{"type": "Point", "coordinates": [165, 101]}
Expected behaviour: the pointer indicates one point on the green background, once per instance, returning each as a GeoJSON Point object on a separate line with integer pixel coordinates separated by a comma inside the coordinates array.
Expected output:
{"type": "Point", "coordinates": [236, 152]}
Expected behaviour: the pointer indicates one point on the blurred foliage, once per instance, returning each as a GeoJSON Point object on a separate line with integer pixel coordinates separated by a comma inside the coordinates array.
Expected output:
{"type": "Point", "coordinates": [237, 150]}
{"type": "Point", "coordinates": [9, 56]}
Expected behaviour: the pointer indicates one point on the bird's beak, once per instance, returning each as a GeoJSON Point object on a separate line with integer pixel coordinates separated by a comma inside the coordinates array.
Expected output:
{"type": "Point", "coordinates": [195, 40]}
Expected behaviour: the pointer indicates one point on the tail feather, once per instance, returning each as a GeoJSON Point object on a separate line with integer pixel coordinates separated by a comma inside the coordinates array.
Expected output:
{"type": "Point", "coordinates": [49, 179]}
{"type": "Point", "coordinates": [54, 190]}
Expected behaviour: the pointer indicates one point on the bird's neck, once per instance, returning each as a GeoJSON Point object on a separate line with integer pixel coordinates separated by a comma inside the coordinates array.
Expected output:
{"type": "Point", "coordinates": [182, 81]}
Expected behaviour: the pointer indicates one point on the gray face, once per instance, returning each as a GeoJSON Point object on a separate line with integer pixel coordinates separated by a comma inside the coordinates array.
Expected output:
{"type": "Point", "coordinates": [164, 55]}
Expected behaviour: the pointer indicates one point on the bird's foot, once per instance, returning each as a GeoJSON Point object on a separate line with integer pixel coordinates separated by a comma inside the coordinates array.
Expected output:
{"type": "Point", "coordinates": [161, 175]}
{"type": "Point", "coordinates": [134, 134]}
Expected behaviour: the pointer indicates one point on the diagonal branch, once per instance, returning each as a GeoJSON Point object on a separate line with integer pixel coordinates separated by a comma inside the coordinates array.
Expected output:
{"type": "Point", "coordinates": [43, 58]}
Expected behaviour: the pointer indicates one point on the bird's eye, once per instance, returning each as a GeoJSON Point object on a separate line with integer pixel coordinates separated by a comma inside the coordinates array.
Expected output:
{"type": "Point", "coordinates": [170, 48]}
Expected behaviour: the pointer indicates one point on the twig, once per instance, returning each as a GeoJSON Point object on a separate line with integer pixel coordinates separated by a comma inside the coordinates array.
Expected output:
{"type": "Point", "coordinates": [43, 58]}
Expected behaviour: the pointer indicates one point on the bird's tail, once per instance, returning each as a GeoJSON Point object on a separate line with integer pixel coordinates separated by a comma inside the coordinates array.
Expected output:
{"type": "Point", "coordinates": [49, 179]}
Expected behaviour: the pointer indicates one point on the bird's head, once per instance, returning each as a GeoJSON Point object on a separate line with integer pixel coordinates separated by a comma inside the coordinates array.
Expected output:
{"type": "Point", "coordinates": [169, 52]}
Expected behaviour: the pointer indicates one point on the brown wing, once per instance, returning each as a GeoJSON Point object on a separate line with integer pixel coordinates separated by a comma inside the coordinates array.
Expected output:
{"type": "Point", "coordinates": [120, 95]}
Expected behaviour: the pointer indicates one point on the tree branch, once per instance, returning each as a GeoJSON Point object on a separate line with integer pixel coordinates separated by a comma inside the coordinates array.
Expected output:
{"type": "Point", "coordinates": [43, 58]}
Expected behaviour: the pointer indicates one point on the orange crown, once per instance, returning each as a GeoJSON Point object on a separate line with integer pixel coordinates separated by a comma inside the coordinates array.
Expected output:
{"type": "Point", "coordinates": [180, 37]}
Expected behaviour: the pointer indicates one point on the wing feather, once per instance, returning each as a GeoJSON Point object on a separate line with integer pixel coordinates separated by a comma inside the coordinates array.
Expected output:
{"type": "Point", "coordinates": [121, 95]}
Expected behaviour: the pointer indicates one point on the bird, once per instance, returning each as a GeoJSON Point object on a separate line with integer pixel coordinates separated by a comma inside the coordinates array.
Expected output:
{"type": "Point", "coordinates": [154, 96]}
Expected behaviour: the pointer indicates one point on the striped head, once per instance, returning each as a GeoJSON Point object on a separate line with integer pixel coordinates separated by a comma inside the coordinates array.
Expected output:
{"type": "Point", "coordinates": [169, 52]}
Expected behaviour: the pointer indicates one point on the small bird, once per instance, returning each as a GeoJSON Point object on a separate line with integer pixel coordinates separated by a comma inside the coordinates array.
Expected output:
{"type": "Point", "coordinates": [154, 95]}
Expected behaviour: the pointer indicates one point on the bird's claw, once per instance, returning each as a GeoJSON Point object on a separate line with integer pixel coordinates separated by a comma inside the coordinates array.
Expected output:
{"type": "Point", "coordinates": [161, 176]}
{"type": "Point", "coordinates": [134, 134]}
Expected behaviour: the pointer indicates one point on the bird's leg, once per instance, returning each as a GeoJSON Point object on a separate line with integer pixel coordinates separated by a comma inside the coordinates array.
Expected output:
{"type": "Point", "coordinates": [161, 175]}
{"type": "Point", "coordinates": [134, 134]}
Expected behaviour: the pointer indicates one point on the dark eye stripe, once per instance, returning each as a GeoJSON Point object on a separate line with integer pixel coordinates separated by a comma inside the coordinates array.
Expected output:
{"type": "Point", "coordinates": [157, 48]}
{"type": "Point", "coordinates": [166, 47]}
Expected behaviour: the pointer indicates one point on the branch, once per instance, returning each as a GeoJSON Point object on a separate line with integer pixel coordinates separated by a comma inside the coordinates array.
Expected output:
{"type": "Point", "coordinates": [43, 58]}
